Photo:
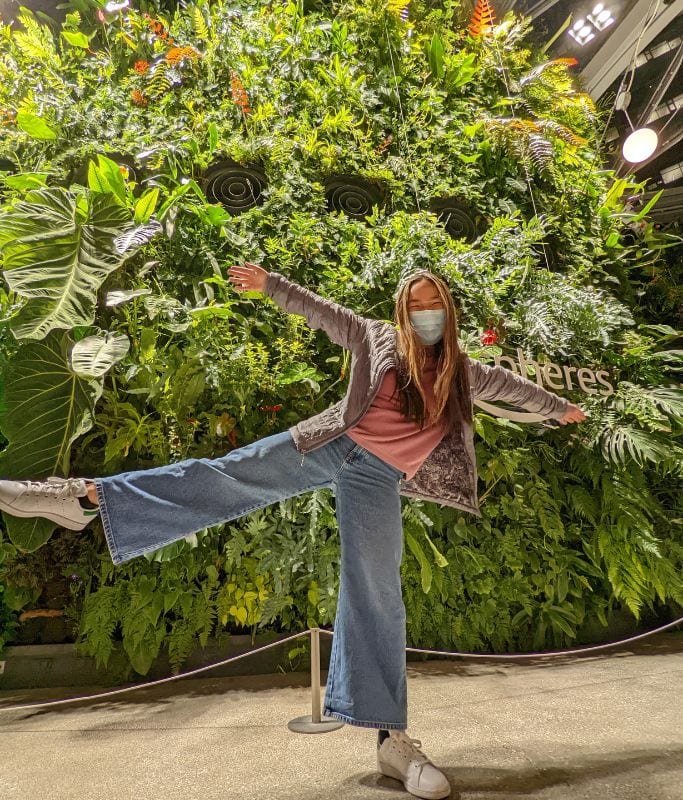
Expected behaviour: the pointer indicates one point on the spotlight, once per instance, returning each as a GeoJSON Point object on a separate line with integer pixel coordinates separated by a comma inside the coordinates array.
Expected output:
{"type": "Point", "coordinates": [640, 145]}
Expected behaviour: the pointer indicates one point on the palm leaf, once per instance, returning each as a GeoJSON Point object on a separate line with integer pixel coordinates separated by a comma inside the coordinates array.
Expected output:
{"type": "Point", "coordinates": [622, 440]}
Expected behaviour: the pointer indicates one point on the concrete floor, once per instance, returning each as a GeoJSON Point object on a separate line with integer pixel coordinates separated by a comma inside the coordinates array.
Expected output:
{"type": "Point", "coordinates": [604, 725]}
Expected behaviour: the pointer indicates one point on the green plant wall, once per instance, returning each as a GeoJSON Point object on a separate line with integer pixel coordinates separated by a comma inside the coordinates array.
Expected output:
{"type": "Point", "coordinates": [341, 144]}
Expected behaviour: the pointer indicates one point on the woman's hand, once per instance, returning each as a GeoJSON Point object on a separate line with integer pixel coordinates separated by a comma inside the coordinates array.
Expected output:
{"type": "Point", "coordinates": [250, 277]}
{"type": "Point", "coordinates": [573, 414]}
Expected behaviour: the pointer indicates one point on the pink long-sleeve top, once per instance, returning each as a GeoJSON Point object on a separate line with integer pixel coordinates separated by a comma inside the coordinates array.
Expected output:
{"type": "Point", "coordinates": [386, 433]}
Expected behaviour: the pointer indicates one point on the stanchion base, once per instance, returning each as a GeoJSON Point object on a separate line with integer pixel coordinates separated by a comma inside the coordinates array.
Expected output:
{"type": "Point", "coordinates": [306, 725]}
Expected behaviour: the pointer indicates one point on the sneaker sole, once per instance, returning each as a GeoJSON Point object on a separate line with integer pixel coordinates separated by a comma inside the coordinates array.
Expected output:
{"type": "Point", "coordinates": [64, 521]}
{"type": "Point", "coordinates": [387, 769]}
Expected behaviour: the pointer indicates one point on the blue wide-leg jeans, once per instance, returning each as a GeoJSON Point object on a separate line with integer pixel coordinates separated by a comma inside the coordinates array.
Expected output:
{"type": "Point", "coordinates": [144, 510]}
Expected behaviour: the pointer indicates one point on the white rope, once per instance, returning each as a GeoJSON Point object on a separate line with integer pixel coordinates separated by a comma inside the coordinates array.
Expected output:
{"type": "Point", "coordinates": [504, 656]}
{"type": "Point", "coordinates": [155, 683]}
{"type": "Point", "coordinates": [547, 654]}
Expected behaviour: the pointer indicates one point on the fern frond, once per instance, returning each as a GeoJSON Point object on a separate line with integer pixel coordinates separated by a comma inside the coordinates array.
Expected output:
{"type": "Point", "coordinates": [582, 502]}
{"type": "Point", "coordinates": [98, 622]}
{"type": "Point", "coordinates": [541, 151]}
{"type": "Point", "coordinates": [561, 131]}
{"type": "Point", "coordinates": [201, 29]}
{"type": "Point", "coordinates": [159, 83]}
{"type": "Point", "coordinates": [540, 68]}
{"type": "Point", "coordinates": [546, 509]}
{"type": "Point", "coordinates": [36, 41]}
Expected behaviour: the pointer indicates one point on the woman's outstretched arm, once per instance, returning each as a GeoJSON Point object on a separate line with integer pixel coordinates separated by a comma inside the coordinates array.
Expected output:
{"type": "Point", "coordinates": [498, 383]}
{"type": "Point", "coordinates": [344, 326]}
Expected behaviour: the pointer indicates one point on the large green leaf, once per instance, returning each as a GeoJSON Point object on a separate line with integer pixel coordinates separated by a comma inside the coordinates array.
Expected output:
{"type": "Point", "coordinates": [45, 408]}
{"type": "Point", "coordinates": [94, 356]}
{"type": "Point", "coordinates": [58, 248]}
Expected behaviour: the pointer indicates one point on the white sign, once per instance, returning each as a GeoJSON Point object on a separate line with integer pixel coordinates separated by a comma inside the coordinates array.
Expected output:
{"type": "Point", "coordinates": [556, 379]}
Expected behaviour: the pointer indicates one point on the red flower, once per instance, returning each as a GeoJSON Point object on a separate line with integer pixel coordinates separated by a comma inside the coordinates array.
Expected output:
{"type": "Point", "coordinates": [488, 337]}
{"type": "Point", "coordinates": [141, 66]}
{"type": "Point", "coordinates": [277, 407]}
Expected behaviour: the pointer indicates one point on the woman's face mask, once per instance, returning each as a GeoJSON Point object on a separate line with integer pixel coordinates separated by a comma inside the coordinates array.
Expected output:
{"type": "Point", "coordinates": [428, 324]}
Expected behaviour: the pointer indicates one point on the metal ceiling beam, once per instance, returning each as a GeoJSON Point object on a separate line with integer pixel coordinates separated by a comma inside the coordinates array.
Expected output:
{"type": "Point", "coordinates": [536, 9]}
{"type": "Point", "coordinates": [615, 56]}
{"type": "Point", "coordinates": [669, 74]}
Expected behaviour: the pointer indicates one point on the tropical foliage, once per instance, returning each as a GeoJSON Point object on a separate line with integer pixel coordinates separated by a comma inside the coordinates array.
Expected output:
{"type": "Point", "coordinates": [123, 344]}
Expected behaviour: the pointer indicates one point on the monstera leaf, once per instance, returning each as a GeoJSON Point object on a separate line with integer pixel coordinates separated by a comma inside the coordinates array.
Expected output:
{"type": "Point", "coordinates": [58, 247]}
{"type": "Point", "coordinates": [45, 407]}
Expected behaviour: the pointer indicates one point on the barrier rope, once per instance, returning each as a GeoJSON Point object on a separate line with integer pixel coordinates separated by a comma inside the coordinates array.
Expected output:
{"type": "Point", "coordinates": [504, 656]}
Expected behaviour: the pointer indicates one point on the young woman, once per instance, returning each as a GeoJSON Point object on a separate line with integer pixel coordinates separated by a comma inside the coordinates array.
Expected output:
{"type": "Point", "coordinates": [409, 389]}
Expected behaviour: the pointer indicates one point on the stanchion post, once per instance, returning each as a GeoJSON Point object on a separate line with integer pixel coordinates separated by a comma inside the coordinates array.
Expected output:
{"type": "Point", "coordinates": [313, 723]}
{"type": "Point", "coordinates": [315, 674]}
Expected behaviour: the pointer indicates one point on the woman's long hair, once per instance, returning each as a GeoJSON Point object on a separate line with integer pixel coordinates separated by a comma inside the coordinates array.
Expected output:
{"type": "Point", "coordinates": [452, 385]}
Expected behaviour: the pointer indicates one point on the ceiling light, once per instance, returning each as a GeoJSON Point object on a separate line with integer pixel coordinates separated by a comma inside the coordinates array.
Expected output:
{"type": "Point", "coordinates": [583, 30]}
{"type": "Point", "coordinates": [583, 36]}
{"type": "Point", "coordinates": [601, 17]}
{"type": "Point", "coordinates": [640, 145]}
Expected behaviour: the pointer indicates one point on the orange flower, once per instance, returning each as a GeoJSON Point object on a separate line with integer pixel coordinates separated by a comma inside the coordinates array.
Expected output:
{"type": "Point", "coordinates": [141, 66]}
{"type": "Point", "coordinates": [158, 29]}
{"type": "Point", "coordinates": [139, 98]}
{"type": "Point", "coordinates": [238, 92]}
{"type": "Point", "coordinates": [177, 54]}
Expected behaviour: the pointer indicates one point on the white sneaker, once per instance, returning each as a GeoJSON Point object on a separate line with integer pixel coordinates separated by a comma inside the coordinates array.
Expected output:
{"type": "Point", "coordinates": [399, 757]}
{"type": "Point", "coordinates": [54, 498]}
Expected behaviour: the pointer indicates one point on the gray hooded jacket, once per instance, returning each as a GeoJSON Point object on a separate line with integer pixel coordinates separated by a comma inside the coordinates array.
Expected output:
{"type": "Point", "coordinates": [449, 473]}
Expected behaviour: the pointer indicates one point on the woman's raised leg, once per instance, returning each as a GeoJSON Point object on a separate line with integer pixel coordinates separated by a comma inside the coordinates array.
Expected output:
{"type": "Point", "coordinates": [144, 510]}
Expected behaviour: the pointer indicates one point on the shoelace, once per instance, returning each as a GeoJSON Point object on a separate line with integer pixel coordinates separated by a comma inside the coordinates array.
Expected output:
{"type": "Point", "coordinates": [414, 744]}
{"type": "Point", "coordinates": [53, 487]}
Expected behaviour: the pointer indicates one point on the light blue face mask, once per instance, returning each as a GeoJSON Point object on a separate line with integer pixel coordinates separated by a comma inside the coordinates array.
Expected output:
{"type": "Point", "coordinates": [428, 324]}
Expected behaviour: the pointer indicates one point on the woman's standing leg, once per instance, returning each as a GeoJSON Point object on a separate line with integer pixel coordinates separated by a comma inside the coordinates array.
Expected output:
{"type": "Point", "coordinates": [143, 510]}
{"type": "Point", "coordinates": [366, 682]}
